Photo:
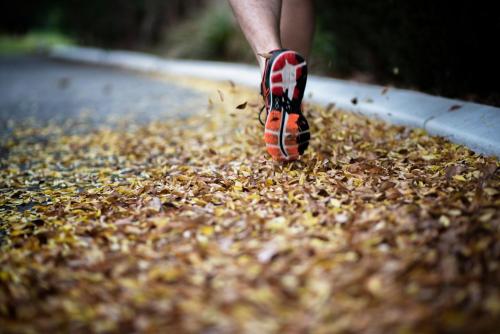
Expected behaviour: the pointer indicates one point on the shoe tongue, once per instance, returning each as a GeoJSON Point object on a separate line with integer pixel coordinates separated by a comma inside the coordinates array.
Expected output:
{"type": "Point", "coordinates": [266, 55]}
{"type": "Point", "coordinates": [269, 54]}
{"type": "Point", "coordinates": [275, 50]}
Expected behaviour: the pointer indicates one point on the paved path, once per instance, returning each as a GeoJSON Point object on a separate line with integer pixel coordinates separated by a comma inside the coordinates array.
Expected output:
{"type": "Point", "coordinates": [44, 90]}
{"type": "Point", "coordinates": [474, 125]}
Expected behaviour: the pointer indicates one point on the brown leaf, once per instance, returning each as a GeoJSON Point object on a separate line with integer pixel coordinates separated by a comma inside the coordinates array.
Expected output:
{"type": "Point", "coordinates": [188, 218]}
{"type": "Point", "coordinates": [221, 96]}
{"type": "Point", "coordinates": [489, 170]}
{"type": "Point", "coordinates": [455, 107]}
{"type": "Point", "coordinates": [241, 106]}
{"type": "Point", "coordinates": [330, 107]}
{"type": "Point", "coordinates": [451, 171]}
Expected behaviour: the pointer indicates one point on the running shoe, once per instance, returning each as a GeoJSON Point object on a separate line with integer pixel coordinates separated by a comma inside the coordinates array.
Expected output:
{"type": "Point", "coordinates": [283, 83]}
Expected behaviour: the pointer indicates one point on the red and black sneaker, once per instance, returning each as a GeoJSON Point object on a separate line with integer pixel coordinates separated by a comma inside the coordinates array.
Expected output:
{"type": "Point", "coordinates": [283, 83]}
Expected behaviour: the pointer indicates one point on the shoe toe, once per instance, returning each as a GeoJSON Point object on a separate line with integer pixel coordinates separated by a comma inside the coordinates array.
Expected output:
{"type": "Point", "coordinates": [296, 138]}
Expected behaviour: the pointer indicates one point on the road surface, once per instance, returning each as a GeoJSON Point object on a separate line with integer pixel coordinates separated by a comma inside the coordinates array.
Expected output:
{"type": "Point", "coordinates": [38, 90]}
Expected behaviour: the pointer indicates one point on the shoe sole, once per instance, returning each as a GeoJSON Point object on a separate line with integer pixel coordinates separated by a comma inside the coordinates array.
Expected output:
{"type": "Point", "coordinates": [286, 130]}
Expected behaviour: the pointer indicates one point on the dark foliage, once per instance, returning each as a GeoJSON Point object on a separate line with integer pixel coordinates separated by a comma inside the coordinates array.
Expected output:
{"type": "Point", "coordinates": [441, 47]}
{"type": "Point", "coordinates": [444, 47]}
{"type": "Point", "coordinates": [110, 23]}
{"type": "Point", "coordinates": [123, 23]}
{"type": "Point", "coordinates": [18, 17]}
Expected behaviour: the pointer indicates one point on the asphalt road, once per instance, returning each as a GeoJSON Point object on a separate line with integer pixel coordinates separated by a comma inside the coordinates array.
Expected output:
{"type": "Point", "coordinates": [38, 90]}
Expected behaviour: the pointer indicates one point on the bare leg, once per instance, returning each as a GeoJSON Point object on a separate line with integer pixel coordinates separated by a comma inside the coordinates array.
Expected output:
{"type": "Point", "coordinates": [297, 25]}
{"type": "Point", "coordinates": [260, 22]}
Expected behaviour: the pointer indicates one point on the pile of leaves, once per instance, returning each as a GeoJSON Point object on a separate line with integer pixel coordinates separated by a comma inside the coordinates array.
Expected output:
{"type": "Point", "coordinates": [187, 226]}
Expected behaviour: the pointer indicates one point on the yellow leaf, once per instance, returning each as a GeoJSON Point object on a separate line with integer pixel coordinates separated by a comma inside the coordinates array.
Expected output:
{"type": "Point", "coordinates": [335, 203]}
{"type": "Point", "coordinates": [219, 211]}
{"type": "Point", "coordinates": [374, 285]}
{"type": "Point", "coordinates": [254, 196]}
{"type": "Point", "coordinates": [302, 179]}
{"type": "Point", "coordinates": [491, 191]}
{"type": "Point", "coordinates": [160, 222]}
{"type": "Point", "coordinates": [445, 221]}
{"type": "Point", "coordinates": [486, 217]}
{"type": "Point", "coordinates": [199, 202]}
{"type": "Point", "coordinates": [207, 230]}
{"type": "Point", "coordinates": [277, 223]}
{"type": "Point", "coordinates": [429, 157]}
{"type": "Point", "coordinates": [309, 219]}
{"type": "Point", "coordinates": [238, 186]}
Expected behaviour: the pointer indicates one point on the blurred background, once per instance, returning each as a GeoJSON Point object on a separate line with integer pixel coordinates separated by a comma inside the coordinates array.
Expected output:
{"type": "Point", "coordinates": [441, 47]}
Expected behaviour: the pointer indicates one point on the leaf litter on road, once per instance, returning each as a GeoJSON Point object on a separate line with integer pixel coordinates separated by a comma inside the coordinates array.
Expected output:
{"type": "Point", "coordinates": [187, 226]}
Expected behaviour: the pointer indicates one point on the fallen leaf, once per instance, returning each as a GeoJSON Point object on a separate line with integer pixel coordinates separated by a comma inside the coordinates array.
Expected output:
{"type": "Point", "coordinates": [455, 107]}
{"type": "Point", "coordinates": [241, 106]}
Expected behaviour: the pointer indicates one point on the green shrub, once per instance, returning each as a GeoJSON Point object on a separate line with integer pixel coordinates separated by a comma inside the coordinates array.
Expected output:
{"type": "Point", "coordinates": [211, 33]}
{"type": "Point", "coordinates": [33, 41]}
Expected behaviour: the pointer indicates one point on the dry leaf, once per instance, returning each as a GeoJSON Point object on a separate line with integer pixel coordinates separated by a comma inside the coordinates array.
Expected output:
{"type": "Point", "coordinates": [221, 95]}
{"type": "Point", "coordinates": [455, 107]}
{"type": "Point", "coordinates": [241, 106]}
{"type": "Point", "coordinates": [185, 225]}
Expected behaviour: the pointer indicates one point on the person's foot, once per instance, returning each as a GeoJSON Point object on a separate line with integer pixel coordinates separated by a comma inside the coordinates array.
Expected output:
{"type": "Point", "coordinates": [283, 83]}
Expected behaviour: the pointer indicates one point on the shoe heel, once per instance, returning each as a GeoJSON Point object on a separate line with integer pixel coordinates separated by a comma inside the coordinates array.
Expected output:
{"type": "Point", "coordinates": [288, 76]}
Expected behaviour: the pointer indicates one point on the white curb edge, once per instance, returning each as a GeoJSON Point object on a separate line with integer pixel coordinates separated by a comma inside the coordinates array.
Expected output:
{"type": "Point", "coordinates": [474, 125]}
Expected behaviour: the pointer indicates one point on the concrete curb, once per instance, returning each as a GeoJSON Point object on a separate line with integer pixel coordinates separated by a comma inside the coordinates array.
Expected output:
{"type": "Point", "coordinates": [474, 125]}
